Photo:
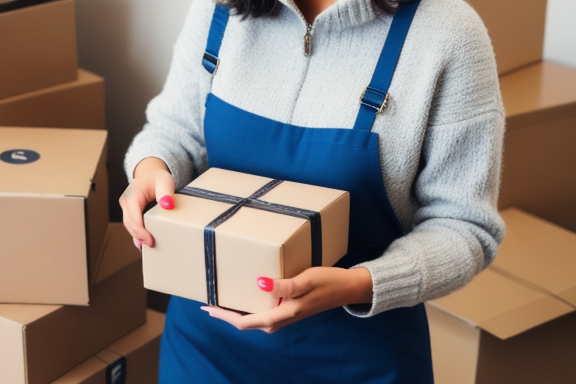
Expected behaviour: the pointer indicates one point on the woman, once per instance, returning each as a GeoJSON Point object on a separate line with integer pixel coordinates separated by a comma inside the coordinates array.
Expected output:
{"type": "Point", "coordinates": [401, 108]}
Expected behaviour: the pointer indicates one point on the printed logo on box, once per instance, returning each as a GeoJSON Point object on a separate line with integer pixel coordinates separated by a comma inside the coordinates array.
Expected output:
{"type": "Point", "coordinates": [19, 156]}
{"type": "Point", "coordinates": [116, 372]}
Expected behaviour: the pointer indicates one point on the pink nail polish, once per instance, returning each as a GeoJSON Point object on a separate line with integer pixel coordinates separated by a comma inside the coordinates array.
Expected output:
{"type": "Point", "coordinates": [166, 202]}
{"type": "Point", "coordinates": [265, 283]}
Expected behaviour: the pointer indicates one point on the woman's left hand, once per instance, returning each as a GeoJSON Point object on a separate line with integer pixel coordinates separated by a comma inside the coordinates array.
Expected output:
{"type": "Point", "coordinates": [313, 291]}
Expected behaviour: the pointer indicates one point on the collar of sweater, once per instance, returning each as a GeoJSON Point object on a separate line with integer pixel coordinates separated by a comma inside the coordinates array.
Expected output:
{"type": "Point", "coordinates": [342, 14]}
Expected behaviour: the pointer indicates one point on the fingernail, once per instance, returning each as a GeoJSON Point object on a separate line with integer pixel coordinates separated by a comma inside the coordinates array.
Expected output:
{"type": "Point", "coordinates": [137, 243]}
{"type": "Point", "coordinates": [265, 283]}
{"type": "Point", "coordinates": [166, 202]}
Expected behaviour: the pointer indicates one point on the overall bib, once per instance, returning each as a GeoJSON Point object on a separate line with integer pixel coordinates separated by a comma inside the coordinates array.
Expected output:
{"type": "Point", "coordinates": [333, 346]}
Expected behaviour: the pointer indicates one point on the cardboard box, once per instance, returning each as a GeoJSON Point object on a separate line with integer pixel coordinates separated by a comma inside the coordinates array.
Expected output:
{"type": "Point", "coordinates": [54, 204]}
{"type": "Point", "coordinates": [516, 28]}
{"type": "Point", "coordinates": [42, 342]}
{"type": "Point", "coordinates": [249, 244]}
{"type": "Point", "coordinates": [38, 45]}
{"type": "Point", "coordinates": [131, 360]}
{"type": "Point", "coordinates": [516, 321]}
{"type": "Point", "coordinates": [540, 142]}
{"type": "Point", "coordinates": [10, 5]}
{"type": "Point", "coordinates": [77, 104]}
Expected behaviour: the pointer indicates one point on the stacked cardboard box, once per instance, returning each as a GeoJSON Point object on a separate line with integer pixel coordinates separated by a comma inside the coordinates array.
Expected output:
{"type": "Point", "coordinates": [516, 28]}
{"type": "Point", "coordinates": [40, 82]}
{"type": "Point", "coordinates": [42, 342]}
{"type": "Point", "coordinates": [70, 281]}
{"type": "Point", "coordinates": [516, 321]}
{"type": "Point", "coordinates": [130, 360]}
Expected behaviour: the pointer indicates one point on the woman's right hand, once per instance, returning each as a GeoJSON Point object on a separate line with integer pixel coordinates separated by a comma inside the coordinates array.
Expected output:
{"type": "Point", "coordinates": [152, 181]}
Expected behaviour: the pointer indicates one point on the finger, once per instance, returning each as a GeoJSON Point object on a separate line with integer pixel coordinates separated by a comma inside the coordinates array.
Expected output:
{"type": "Point", "coordinates": [132, 207]}
{"type": "Point", "coordinates": [289, 288]}
{"type": "Point", "coordinates": [134, 223]}
{"type": "Point", "coordinates": [268, 321]}
{"type": "Point", "coordinates": [164, 187]}
{"type": "Point", "coordinates": [231, 317]}
{"type": "Point", "coordinates": [137, 243]}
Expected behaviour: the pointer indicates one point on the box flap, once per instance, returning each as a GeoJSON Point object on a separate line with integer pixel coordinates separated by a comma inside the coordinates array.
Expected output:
{"type": "Point", "coordinates": [150, 330]}
{"type": "Point", "coordinates": [84, 78]}
{"type": "Point", "coordinates": [49, 160]}
{"type": "Point", "coordinates": [537, 87]}
{"type": "Point", "coordinates": [502, 306]}
{"type": "Point", "coordinates": [540, 253]}
{"type": "Point", "coordinates": [25, 314]}
{"type": "Point", "coordinates": [117, 252]}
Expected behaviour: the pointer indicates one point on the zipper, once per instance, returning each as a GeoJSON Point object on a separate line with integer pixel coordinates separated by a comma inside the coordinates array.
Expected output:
{"type": "Point", "coordinates": [308, 40]}
{"type": "Point", "coordinates": [308, 34]}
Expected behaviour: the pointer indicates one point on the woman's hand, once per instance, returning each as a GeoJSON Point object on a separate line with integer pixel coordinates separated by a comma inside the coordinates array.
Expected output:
{"type": "Point", "coordinates": [152, 180]}
{"type": "Point", "coordinates": [313, 291]}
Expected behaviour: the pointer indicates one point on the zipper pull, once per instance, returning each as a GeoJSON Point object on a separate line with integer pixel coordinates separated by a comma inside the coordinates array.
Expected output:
{"type": "Point", "coordinates": [308, 40]}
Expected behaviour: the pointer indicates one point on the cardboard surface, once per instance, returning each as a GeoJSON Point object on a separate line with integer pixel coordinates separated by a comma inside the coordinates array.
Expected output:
{"type": "Point", "coordinates": [540, 142]}
{"type": "Point", "coordinates": [539, 253]}
{"type": "Point", "coordinates": [76, 104]}
{"type": "Point", "coordinates": [523, 300]}
{"type": "Point", "coordinates": [42, 342]}
{"type": "Point", "coordinates": [516, 28]}
{"type": "Point", "coordinates": [140, 348]}
{"type": "Point", "coordinates": [38, 45]}
{"type": "Point", "coordinates": [250, 244]}
{"type": "Point", "coordinates": [54, 213]}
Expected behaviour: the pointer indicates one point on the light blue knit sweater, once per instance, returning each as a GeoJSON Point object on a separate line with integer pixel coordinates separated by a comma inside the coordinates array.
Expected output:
{"type": "Point", "coordinates": [440, 135]}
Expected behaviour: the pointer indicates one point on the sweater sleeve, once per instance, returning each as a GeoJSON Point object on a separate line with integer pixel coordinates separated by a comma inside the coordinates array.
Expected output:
{"type": "Point", "coordinates": [456, 228]}
{"type": "Point", "coordinates": [173, 130]}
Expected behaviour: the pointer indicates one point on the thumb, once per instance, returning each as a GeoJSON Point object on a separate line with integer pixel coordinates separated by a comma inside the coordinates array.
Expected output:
{"type": "Point", "coordinates": [283, 288]}
{"type": "Point", "coordinates": [165, 190]}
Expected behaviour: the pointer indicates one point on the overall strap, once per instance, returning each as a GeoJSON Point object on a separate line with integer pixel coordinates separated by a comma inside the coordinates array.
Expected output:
{"type": "Point", "coordinates": [210, 60]}
{"type": "Point", "coordinates": [375, 97]}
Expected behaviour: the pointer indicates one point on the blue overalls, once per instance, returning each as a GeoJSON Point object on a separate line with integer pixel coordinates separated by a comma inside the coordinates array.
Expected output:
{"type": "Point", "coordinates": [333, 346]}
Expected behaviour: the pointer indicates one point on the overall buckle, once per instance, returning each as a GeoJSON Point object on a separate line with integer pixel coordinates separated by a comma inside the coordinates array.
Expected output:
{"type": "Point", "coordinates": [210, 62]}
{"type": "Point", "coordinates": [374, 99]}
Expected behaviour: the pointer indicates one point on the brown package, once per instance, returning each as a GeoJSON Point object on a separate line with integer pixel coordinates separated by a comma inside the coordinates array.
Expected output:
{"type": "Point", "coordinates": [54, 213]}
{"type": "Point", "coordinates": [133, 358]}
{"type": "Point", "coordinates": [42, 342]}
{"type": "Point", "coordinates": [516, 28]}
{"type": "Point", "coordinates": [540, 142]}
{"type": "Point", "coordinates": [249, 244]}
{"type": "Point", "coordinates": [76, 104]}
{"type": "Point", "coordinates": [516, 321]}
{"type": "Point", "coordinates": [38, 45]}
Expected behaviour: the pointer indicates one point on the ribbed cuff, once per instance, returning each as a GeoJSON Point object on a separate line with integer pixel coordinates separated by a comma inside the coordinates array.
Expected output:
{"type": "Point", "coordinates": [395, 283]}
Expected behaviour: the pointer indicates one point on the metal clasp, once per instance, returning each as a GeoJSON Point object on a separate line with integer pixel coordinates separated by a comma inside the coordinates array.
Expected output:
{"type": "Point", "coordinates": [374, 98]}
{"type": "Point", "coordinates": [210, 62]}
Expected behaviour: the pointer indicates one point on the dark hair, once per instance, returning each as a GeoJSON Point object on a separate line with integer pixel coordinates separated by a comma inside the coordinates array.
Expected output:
{"type": "Point", "coordinates": [263, 8]}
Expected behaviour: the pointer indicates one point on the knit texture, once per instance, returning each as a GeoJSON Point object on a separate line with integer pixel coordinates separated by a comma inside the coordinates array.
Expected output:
{"type": "Point", "coordinates": [440, 135]}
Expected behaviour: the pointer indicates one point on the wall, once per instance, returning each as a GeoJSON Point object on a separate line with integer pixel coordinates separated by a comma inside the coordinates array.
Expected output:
{"type": "Point", "coordinates": [129, 43]}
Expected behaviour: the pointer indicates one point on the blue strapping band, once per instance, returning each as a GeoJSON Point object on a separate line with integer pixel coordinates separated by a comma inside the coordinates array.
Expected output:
{"type": "Point", "coordinates": [216, 33]}
{"type": "Point", "coordinates": [375, 96]}
{"type": "Point", "coordinates": [252, 202]}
